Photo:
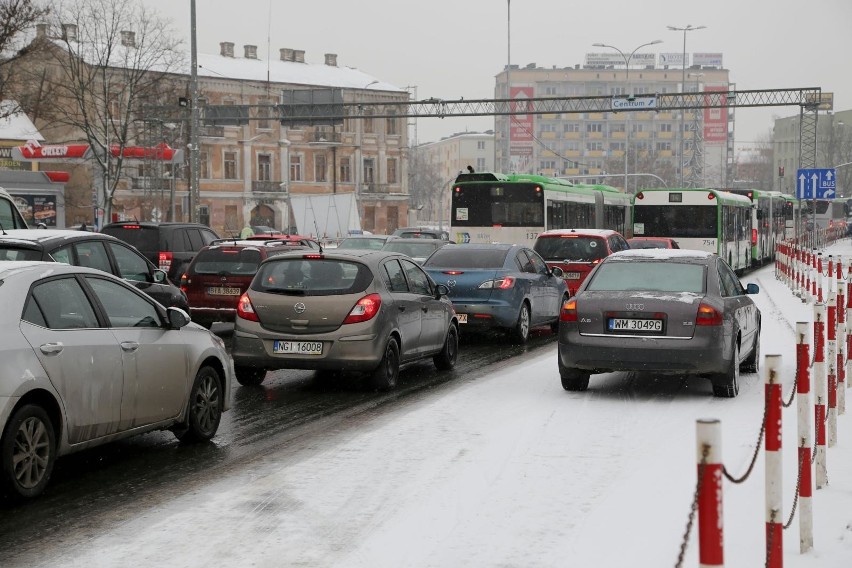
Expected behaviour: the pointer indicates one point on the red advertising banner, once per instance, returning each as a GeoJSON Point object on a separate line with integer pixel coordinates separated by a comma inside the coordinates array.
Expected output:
{"type": "Point", "coordinates": [522, 124]}
{"type": "Point", "coordinates": [716, 120]}
{"type": "Point", "coordinates": [34, 151]}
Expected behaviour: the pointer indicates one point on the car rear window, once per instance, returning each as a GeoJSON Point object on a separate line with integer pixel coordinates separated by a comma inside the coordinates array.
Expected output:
{"type": "Point", "coordinates": [648, 276]}
{"type": "Point", "coordinates": [146, 239]}
{"type": "Point", "coordinates": [227, 262]}
{"type": "Point", "coordinates": [417, 235]}
{"type": "Point", "coordinates": [579, 247]}
{"type": "Point", "coordinates": [10, 253]}
{"type": "Point", "coordinates": [464, 257]}
{"type": "Point", "coordinates": [312, 277]}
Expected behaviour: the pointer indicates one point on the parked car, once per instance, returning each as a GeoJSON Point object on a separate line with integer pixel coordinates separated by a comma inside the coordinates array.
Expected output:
{"type": "Point", "coordinates": [577, 251]}
{"type": "Point", "coordinates": [170, 246]}
{"type": "Point", "coordinates": [88, 359]}
{"type": "Point", "coordinates": [664, 311]}
{"type": "Point", "coordinates": [281, 237]}
{"type": "Point", "coordinates": [417, 249]}
{"type": "Point", "coordinates": [364, 242]}
{"type": "Point", "coordinates": [220, 273]}
{"type": "Point", "coordinates": [502, 286]}
{"type": "Point", "coordinates": [94, 250]}
{"type": "Point", "coordinates": [10, 217]}
{"type": "Point", "coordinates": [652, 242]}
{"type": "Point", "coordinates": [355, 310]}
{"type": "Point", "coordinates": [421, 233]}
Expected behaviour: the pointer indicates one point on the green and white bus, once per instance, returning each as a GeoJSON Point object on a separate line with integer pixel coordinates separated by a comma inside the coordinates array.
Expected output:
{"type": "Point", "coordinates": [699, 219]}
{"type": "Point", "coordinates": [499, 208]}
{"type": "Point", "coordinates": [768, 221]}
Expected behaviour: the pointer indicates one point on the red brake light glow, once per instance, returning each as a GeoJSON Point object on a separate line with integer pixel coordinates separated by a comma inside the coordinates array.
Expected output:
{"type": "Point", "coordinates": [754, 237]}
{"type": "Point", "coordinates": [313, 256]}
{"type": "Point", "coordinates": [568, 311]}
{"type": "Point", "coordinates": [245, 310]}
{"type": "Point", "coordinates": [711, 196]}
{"type": "Point", "coordinates": [365, 309]}
{"type": "Point", "coordinates": [708, 315]}
{"type": "Point", "coordinates": [452, 272]}
{"type": "Point", "coordinates": [131, 227]}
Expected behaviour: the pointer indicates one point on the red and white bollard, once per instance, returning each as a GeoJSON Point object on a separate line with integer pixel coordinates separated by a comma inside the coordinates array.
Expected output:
{"type": "Point", "coordinates": [820, 394]}
{"type": "Point", "coordinates": [803, 413]}
{"type": "Point", "coordinates": [831, 357]}
{"type": "Point", "coordinates": [774, 466]}
{"type": "Point", "coordinates": [841, 339]}
{"type": "Point", "coordinates": [711, 549]}
{"type": "Point", "coordinates": [818, 283]}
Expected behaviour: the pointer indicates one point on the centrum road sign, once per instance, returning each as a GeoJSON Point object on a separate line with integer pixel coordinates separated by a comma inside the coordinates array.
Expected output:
{"type": "Point", "coordinates": [816, 183]}
{"type": "Point", "coordinates": [635, 103]}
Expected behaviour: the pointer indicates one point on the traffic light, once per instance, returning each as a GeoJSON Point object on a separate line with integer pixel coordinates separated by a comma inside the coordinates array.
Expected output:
{"type": "Point", "coordinates": [780, 171]}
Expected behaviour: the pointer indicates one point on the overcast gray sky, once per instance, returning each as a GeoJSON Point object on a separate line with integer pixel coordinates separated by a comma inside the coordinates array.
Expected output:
{"type": "Point", "coordinates": [454, 48]}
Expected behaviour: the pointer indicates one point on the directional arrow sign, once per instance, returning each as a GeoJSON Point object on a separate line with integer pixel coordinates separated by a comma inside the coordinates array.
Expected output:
{"type": "Point", "coordinates": [816, 183]}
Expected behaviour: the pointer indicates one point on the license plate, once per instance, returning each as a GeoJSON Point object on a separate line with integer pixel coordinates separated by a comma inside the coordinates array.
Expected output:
{"type": "Point", "coordinates": [627, 324]}
{"type": "Point", "coordinates": [297, 347]}
{"type": "Point", "coordinates": [224, 291]}
{"type": "Point", "coordinates": [572, 275]}
{"type": "Point", "coordinates": [462, 318]}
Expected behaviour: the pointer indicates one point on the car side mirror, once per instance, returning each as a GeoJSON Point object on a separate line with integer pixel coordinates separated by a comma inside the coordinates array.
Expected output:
{"type": "Point", "coordinates": [177, 318]}
{"type": "Point", "coordinates": [441, 290]}
{"type": "Point", "coordinates": [556, 271]}
{"type": "Point", "coordinates": [159, 275]}
{"type": "Point", "coordinates": [752, 288]}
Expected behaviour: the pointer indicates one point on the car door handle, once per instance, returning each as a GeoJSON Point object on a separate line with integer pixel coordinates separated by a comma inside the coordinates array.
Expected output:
{"type": "Point", "coordinates": [52, 348]}
{"type": "Point", "coordinates": [402, 308]}
{"type": "Point", "coordinates": [425, 309]}
{"type": "Point", "coordinates": [129, 346]}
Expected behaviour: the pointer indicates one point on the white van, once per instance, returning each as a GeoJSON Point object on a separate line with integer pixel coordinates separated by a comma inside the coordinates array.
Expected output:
{"type": "Point", "coordinates": [10, 217]}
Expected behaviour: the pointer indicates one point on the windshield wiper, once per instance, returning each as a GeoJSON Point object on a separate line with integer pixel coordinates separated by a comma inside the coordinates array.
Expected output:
{"type": "Point", "coordinates": [289, 291]}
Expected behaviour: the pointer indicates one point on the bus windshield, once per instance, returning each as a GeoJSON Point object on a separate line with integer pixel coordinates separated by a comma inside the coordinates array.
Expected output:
{"type": "Point", "coordinates": [489, 204]}
{"type": "Point", "coordinates": [687, 221]}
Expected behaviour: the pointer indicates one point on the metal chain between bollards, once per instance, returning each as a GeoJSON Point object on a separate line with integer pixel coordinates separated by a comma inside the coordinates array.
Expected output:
{"type": "Point", "coordinates": [792, 394]}
{"type": "Point", "coordinates": [798, 486]}
{"type": "Point", "coordinates": [771, 537]}
{"type": "Point", "coordinates": [705, 451]}
{"type": "Point", "coordinates": [756, 447]}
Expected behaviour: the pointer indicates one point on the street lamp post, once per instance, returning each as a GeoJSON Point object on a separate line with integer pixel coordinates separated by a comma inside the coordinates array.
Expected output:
{"type": "Point", "coordinates": [627, 59]}
{"type": "Point", "coordinates": [687, 28]}
{"type": "Point", "coordinates": [508, 159]}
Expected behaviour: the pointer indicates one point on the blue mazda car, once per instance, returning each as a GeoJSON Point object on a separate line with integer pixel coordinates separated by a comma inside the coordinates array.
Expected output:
{"type": "Point", "coordinates": [501, 286]}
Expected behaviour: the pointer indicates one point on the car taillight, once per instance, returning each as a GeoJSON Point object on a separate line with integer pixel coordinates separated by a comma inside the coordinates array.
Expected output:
{"type": "Point", "coordinates": [754, 237]}
{"type": "Point", "coordinates": [708, 315]}
{"type": "Point", "coordinates": [184, 282]}
{"type": "Point", "coordinates": [245, 310]}
{"type": "Point", "coordinates": [568, 311]}
{"type": "Point", "coordinates": [165, 259]}
{"type": "Point", "coordinates": [498, 284]}
{"type": "Point", "coordinates": [365, 309]}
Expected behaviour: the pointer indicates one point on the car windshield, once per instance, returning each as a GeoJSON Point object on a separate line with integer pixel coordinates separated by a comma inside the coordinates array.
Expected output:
{"type": "Point", "coordinates": [571, 247]}
{"type": "Point", "coordinates": [9, 253]}
{"type": "Point", "coordinates": [227, 262]}
{"type": "Point", "coordinates": [467, 257]}
{"type": "Point", "coordinates": [414, 250]}
{"type": "Point", "coordinates": [312, 277]}
{"type": "Point", "coordinates": [648, 276]}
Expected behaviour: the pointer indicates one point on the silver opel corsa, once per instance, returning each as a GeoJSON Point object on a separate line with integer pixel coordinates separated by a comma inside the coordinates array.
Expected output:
{"type": "Point", "coordinates": [87, 359]}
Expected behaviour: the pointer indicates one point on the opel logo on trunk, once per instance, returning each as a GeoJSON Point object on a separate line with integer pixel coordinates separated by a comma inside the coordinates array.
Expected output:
{"type": "Point", "coordinates": [451, 283]}
{"type": "Point", "coordinates": [300, 308]}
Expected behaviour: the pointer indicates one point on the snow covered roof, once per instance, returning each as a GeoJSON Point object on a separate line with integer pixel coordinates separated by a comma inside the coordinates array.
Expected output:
{"type": "Point", "coordinates": [16, 126]}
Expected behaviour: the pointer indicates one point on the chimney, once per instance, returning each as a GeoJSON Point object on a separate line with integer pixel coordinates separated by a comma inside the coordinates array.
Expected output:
{"type": "Point", "coordinates": [41, 30]}
{"type": "Point", "coordinates": [226, 48]}
{"type": "Point", "coordinates": [286, 54]}
{"type": "Point", "coordinates": [331, 59]}
{"type": "Point", "coordinates": [250, 51]}
{"type": "Point", "coordinates": [299, 55]}
{"type": "Point", "coordinates": [128, 38]}
{"type": "Point", "coordinates": [69, 32]}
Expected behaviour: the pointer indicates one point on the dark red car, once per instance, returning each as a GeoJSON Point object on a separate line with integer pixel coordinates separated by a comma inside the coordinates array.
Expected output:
{"type": "Point", "coordinates": [221, 272]}
{"type": "Point", "coordinates": [652, 243]}
{"type": "Point", "coordinates": [577, 251]}
{"type": "Point", "coordinates": [290, 239]}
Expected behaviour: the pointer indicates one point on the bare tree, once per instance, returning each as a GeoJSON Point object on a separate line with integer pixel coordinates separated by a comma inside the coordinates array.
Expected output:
{"type": "Point", "coordinates": [18, 19]}
{"type": "Point", "coordinates": [426, 187]}
{"type": "Point", "coordinates": [111, 59]}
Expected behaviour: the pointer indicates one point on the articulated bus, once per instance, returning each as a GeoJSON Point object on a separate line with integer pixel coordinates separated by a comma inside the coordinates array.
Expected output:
{"type": "Point", "coordinates": [767, 222]}
{"type": "Point", "coordinates": [699, 219]}
{"type": "Point", "coordinates": [500, 208]}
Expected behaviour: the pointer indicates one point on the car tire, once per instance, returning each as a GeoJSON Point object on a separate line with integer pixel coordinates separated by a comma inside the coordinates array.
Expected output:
{"type": "Point", "coordinates": [204, 410]}
{"type": "Point", "coordinates": [446, 358]}
{"type": "Point", "coordinates": [752, 363]}
{"type": "Point", "coordinates": [249, 376]}
{"type": "Point", "coordinates": [727, 384]}
{"type": "Point", "coordinates": [27, 452]}
{"type": "Point", "coordinates": [386, 374]}
{"type": "Point", "coordinates": [573, 379]}
{"type": "Point", "coordinates": [521, 332]}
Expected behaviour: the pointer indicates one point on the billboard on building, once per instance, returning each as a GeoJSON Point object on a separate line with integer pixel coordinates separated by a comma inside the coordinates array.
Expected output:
{"type": "Point", "coordinates": [707, 59]}
{"type": "Point", "coordinates": [521, 130]}
{"type": "Point", "coordinates": [716, 119]}
{"type": "Point", "coordinates": [37, 209]}
{"type": "Point", "coordinates": [673, 59]}
{"type": "Point", "coordinates": [616, 59]}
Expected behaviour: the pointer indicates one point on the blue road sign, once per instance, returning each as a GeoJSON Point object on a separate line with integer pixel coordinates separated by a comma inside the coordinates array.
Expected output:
{"type": "Point", "coordinates": [816, 184]}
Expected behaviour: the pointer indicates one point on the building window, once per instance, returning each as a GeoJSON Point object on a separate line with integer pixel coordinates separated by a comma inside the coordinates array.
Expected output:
{"type": "Point", "coordinates": [480, 144]}
{"type": "Point", "coordinates": [319, 167]}
{"type": "Point", "coordinates": [550, 90]}
{"type": "Point", "coordinates": [369, 170]}
{"type": "Point", "coordinates": [345, 170]}
{"type": "Point", "coordinates": [264, 112]}
{"type": "Point", "coordinates": [618, 127]}
{"type": "Point", "coordinates": [204, 215]}
{"type": "Point", "coordinates": [548, 127]}
{"type": "Point", "coordinates": [547, 165]}
{"type": "Point", "coordinates": [391, 125]}
{"type": "Point", "coordinates": [232, 222]}
{"type": "Point", "coordinates": [666, 127]}
{"type": "Point", "coordinates": [229, 165]}
{"type": "Point", "coordinates": [572, 127]}
{"type": "Point", "coordinates": [204, 164]}
{"type": "Point", "coordinates": [617, 146]}
{"type": "Point", "coordinates": [594, 146]}
{"type": "Point", "coordinates": [480, 164]}
{"type": "Point", "coordinates": [594, 127]}
{"type": "Point", "coordinates": [368, 121]}
{"type": "Point", "coordinates": [663, 146]}
{"type": "Point", "coordinates": [295, 168]}
{"type": "Point", "coordinates": [392, 177]}
{"type": "Point", "coordinates": [264, 167]}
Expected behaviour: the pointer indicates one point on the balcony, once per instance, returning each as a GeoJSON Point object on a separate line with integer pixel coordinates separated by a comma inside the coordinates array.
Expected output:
{"type": "Point", "coordinates": [150, 183]}
{"type": "Point", "coordinates": [375, 188]}
{"type": "Point", "coordinates": [267, 186]}
{"type": "Point", "coordinates": [213, 131]}
{"type": "Point", "coordinates": [320, 137]}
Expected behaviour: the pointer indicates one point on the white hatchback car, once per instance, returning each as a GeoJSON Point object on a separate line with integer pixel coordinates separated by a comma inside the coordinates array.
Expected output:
{"type": "Point", "coordinates": [88, 359]}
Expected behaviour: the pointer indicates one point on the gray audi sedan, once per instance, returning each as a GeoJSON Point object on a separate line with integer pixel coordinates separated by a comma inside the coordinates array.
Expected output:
{"type": "Point", "coordinates": [665, 311]}
{"type": "Point", "coordinates": [350, 310]}
{"type": "Point", "coordinates": [87, 359]}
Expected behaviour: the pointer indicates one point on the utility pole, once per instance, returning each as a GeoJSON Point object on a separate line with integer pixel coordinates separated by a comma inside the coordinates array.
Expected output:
{"type": "Point", "coordinates": [195, 125]}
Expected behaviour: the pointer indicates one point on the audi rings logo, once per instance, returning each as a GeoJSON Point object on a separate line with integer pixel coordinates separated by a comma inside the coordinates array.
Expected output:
{"type": "Point", "coordinates": [451, 283]}
{"type": "Point", "coordinates": [299, 308]}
